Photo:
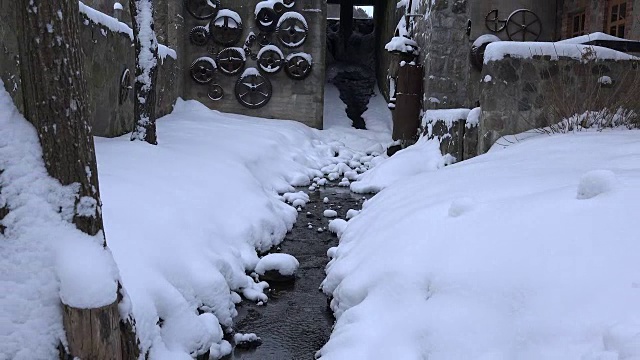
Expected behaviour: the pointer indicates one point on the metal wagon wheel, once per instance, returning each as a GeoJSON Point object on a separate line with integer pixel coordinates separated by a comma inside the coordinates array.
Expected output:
{"type": "Point", "coordinates": [202, 70]}
{"type": "Point", "coordinates": [203, 9]}
{"type": "Point", "coordinates": [225, 30]}
{"type": "Point", "coordinates": [270, 61]}
{"type": "Point", "coordinates": [216, 92]}
{"type": "Point", "coordinates": [524, 25]}
{"type": "Point", "coordinates": [253, 91]}
{"type": "Point", "coordinates": [199, 36]}
{"type": "Point", "coordinates": [230, 61]}
{"type": "Point", "coordinates": [297, 67]}
{"type": "Point", "coordinates": [493, 22]}
{"type": "Point", "coordinates": [266, 19]}
{"type": "Point", "coordinates": [292, 32]}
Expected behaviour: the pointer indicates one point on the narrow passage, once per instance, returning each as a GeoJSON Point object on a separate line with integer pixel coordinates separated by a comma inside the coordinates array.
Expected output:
{"type": "Point", "coordinates": [296, 322]}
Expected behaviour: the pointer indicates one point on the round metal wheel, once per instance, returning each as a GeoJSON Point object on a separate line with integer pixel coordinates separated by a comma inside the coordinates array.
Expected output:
{"type": "Point", "coordinates": [493, 22]}
{"type": "Point", "coordinates": [264, 39]}
{"type": "Point", "coordinates": [289, 3]}
{"type": "Point", "coordinates": [270, 60]}
{"type": "Point", "coordinates": [199, 36]}
{"type": "Point", "coordinates": [524, 25]}
{"type": "Point", "coordinates": [279, 8]}
{"type": "Point", "coordinates": [203, 9]}
{"type": "Point", "coordinates": [230, 61]}
{"type": "Point", "coordinates": [225, 30]}
{"type": "Point", "coordinates": [478, 49]}
{"type": "Point", "coordinates": [125, 86]}
{"type": "Point", "coordinates": [292, 32]}
{"type": "Point", "coordinates": [202, 70]}
{"type": "Point", "coordinates": [250, 40]}
{"type": "Point", "coordinates": [297, 66]}
{"type": "Point", "coordinates": [216, 92]}
{"type": "Point", "coordinates": [266, 19]}
{"type": "Point", "coordinates": [253, 91]}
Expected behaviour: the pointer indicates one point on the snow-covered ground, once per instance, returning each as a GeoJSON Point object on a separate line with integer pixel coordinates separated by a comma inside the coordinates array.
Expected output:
{"type": "Point", "coordinates": [183, 220]}
{"type": "Point", "coordinates": [528, 252]}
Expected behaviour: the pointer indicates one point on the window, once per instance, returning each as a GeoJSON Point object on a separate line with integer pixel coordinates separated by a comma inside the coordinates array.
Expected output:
{"type": "Point", "coordinates": [617, 19]}
{"type": "Point", "coordinates": [577, 24]}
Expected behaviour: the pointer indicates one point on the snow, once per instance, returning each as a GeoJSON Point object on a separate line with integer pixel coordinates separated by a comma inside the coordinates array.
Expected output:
{"type": "Point", "coordinates": [285, 264]}
{"type": "Point", "coordinates": [240, 338]}
{"type": "Point", "coordinates": [473, 118]}
{"type": "Point", "coordinates": [596, 36]}
{"type": "Point", "coordinates": [329, 213]}
{"type": "Point", "coordinates": [337, 226]}
{"type": "Point", "coordinates": [117, 6]}
{"type": "Point", "coordinates": [266, 4]}
{"type": "Point", "coordinates": [228, 13]}
{"type": "Point", "coordinates": [487, 78]}
{"type": "Point", "coordinates": [292, 15]}
{"type": "Point", "coordinates": [605, 80]}
{"type": "Point", "coordinates": [110, 22]}
{"type": "Point", "coordinates": [304, 55]}
{"type": "Point", "coordinates": [250, 71]}
{"type": "Point", "coordinates": [449, 116]}
{"type": "Point", "coordinates": [485, 39]}
{"type": "Point", "coordinates": [496, 258]}
{"type": "Point", "coordinates": [524, 50]}
{"type": "Point", "coordinates": [402, 44]}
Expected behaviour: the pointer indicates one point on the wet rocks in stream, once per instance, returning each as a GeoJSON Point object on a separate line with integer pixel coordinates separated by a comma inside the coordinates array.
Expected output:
{"type": "Point", "coordinates": [356, 85]}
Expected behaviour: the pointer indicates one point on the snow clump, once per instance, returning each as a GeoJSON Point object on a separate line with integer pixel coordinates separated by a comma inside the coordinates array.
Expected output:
{"type": "Point", "coordinates": [284, 264]}
{"type": "Point", "coordinates": [596, 182]}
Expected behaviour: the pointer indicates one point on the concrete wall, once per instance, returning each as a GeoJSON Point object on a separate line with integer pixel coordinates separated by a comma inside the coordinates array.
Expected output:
{"type": "Point", "coordinates": [525, 94]}
{"type": "Point", "coordinates": [300, 100]}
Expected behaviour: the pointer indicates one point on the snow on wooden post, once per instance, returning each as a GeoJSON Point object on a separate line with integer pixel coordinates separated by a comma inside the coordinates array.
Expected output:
{"type": "Point", "coordinates": [146, 71]}
{"type": "Point", "coordinates": [55, 102]}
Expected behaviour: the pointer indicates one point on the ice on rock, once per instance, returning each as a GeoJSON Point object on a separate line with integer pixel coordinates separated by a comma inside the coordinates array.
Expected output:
{"type": "Point", "coordinates": [461, 206]}
{"type": "Point", "coordinates": [248, 340]}
{"type": "Point", "coordinates": [337, 226]}
{"type": "Point", "coordinates": [220, 350]}
{"type": "Point", "coordinates": [320, 230]}
{"type": "Point", "coordinates": [329, 213]}
{"type": "Point", "coordinates": [254, 291]}
{"type": "Point", "coordinates": [284, 264]}
{"type": "Point", "coordinates": [191, 333]}
{"type": "Point", "coordinates": [298, 203]}
{"type": "Point", "coordinates": [596, 182]}
{"type": "Point", "coordinates": [296, 199]}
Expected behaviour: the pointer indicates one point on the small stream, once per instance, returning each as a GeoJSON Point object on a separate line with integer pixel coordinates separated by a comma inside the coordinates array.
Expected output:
{"type": "Point", "coordinates": [296, 322]}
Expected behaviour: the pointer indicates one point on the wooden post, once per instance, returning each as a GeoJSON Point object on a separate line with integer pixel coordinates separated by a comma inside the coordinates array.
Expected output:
{"type": "Point", "coordinates": [346, 20]}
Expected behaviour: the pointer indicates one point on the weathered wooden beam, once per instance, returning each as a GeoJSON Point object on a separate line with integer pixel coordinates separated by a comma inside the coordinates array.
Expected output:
{"type": "Point", "coordinates": [346, 19]}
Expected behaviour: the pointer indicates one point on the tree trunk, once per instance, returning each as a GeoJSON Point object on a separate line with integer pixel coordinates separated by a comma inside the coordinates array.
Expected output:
{"type": "Point", "coordinates": [144, 91]}
{"type": "Point", "coordinates": [55, 102]}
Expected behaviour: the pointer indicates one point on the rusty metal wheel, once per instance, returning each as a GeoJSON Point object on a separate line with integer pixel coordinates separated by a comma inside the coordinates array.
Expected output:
{"type": "Point", "coordinates": [264, 39]}
{"type": "Point", "coordinates": [216, 92]}
{"type": "Point", "coordinates": [125, 86]}
{"type": "Point", "coordinates": [199, 36]}
{"type": "Point", "coordinates": [226, 28]}
{"type": "Point", "coordinates": [270, 59]}
{"type": "Point", "coordinates": [493, 22]}
{"type": "Point", "coordinates": [524, 25]}
{"type": "Point", "coordinates": [253, 90]}
{"type": "Point", "coordinates": [231, 60]}
{"type": "Point", "coordinates": [298, 66]}
{"type": "Point", "coordinates": [292, 30]}
{"type": "Point", "coordinates": [202, 9]}
{"type": "Point", "coordinates": [202, 70]}
{"type": "Point", "coordinates": [266, 19]}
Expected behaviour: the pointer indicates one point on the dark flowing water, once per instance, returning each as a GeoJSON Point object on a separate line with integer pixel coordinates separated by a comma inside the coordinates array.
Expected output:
{"type": "Point", "coordinates": [296, 321]}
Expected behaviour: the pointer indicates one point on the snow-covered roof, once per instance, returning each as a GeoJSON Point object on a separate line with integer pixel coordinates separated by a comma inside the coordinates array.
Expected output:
{"type": "Point", "coordinates": [524, 50]}
{"type": "Point", "coordinates": [596, 36]}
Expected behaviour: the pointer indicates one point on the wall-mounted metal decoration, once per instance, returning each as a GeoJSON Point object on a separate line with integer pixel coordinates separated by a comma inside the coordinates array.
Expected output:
{"type": "Point", "coordinates": [216, 92]}
{"type": "Point", "coordinates": [289, 3]}
{"type": "Point", "coordinates": [203, 9]}
{"type": "Point", "coordinates": [298, 65]}
{"type": "Point", "coordinates": [521, 25]}
{"type": "Point", "coordinates": [292, 29]}
{"type": "Point", "coordinates": [264, 39]}
{"type": "Point", "coordinates": [524, 25]}
{"type": "Point", "coordinates": [202, 70]}
{"type": "Point", "coordinates": [478, 48]}
{"type": "Point", "coordinates": [199, 36]}
{"type": "Point", "coordinates": [250, 40]}
{"type": "Point", "coordinates": [231, 60]}
{"type": "Point", "coordinates": [125, 86]}
{"type": "Point", "coordinates": [279, 8]}
{"type": "Point", "coordinates": [226, 28]}
{"type": "Point", "coordinates": [493, 22]}
{"type": "Point", "coordinates": [270, 59]}
{"type": "Point", "coordinates": [266, 19]}
{"type": "Point", "coordinates": [253, 90]}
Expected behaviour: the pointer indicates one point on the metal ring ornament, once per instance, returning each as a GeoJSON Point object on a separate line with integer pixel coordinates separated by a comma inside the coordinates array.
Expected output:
{"type": "Point", "coordinates": [253, 90]}
{"type": "Point", "coordinates": [202, 70]}
{"type": "Point", "coordinates": [231, 60]}
{"type": "Point", "coordinates": [199, 36]}
{"type": "Point", "coordinates": [264, 39]}
{"type": "Point", "coordinates": [292, 32]}
{"type": "Point", "coordinates": [225, 29]}
{"type": "Point", "coordinates": [270, 60]}
{"type": "Point", "coordinates": [289, 3]}
{"type": "Point", "coordinates": [266, 19]}
{"type": "Point", "coordinates": [279, 8]}
{"type": "Point", "coordinates": [125, 86]}
{"type": "Point", "coordinates": [493, 22]}
{"type": "Point", "coordinates": [202, 9]}
{"type": "Point", "coordinates": [523, 25]}
{"type": "Point", "coordinates": [297, 66]}
{"type": "Point", "coordinates": [216, 92]}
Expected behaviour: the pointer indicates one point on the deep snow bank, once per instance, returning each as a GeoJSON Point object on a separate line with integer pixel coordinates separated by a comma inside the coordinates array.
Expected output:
{"type": "Point", "coordinates": [498, 257]}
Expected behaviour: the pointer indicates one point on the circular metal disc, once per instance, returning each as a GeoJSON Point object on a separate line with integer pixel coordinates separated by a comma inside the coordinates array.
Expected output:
{"type": "Point", "coordinates": [216, 92]}
{"type": "Point", "coordinates": [270, 61]}
{"type": "Point", "coordinates": [202, 70]}
{"type": "Point", "coordinates": [199, 36]}
{"type": "Point", "coordinates": [524, 25]}
{"type": "Point", "coordinates": [203, 9]}
{"type": "Point", "coordinates": [266, 19]}
{"type": "Point", "coordinates": [225, 30]}
{"type": "Point", "coordinates": [253, 91]}
{"type": "Point", "coordinates": [297, 67]}
{"type": "Point", "coordinates": [292, 32]}
{"type": "Point", "coordinates": [289, 3]}
{"type": "Point", "coordinates": [230, 61]}
{"type": "Point", "coordinates": [125, 86]}
{"type": "Point", "coordinates": [264, 39]}
{"type": "Point", "coordinates": [493, 22]}
{"type": "Point", "coordinates": [279, 8]}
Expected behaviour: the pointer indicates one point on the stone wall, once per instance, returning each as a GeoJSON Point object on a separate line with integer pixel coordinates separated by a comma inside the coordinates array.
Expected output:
{"type": "Point", "coordinates": [300, 100]}
{"type": "Point", "coordinates": [9, 52]}
{"type": "Point", "coordinates": [595, 15]}
{"type": "Point", "coordinates": [525, 94]}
